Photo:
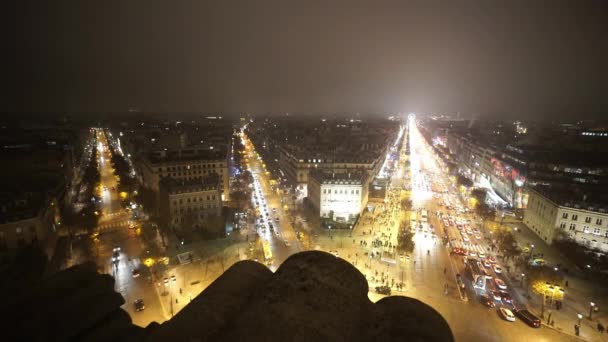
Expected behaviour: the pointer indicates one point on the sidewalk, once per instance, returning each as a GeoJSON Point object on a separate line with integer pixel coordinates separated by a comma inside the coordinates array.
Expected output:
{"type": "Point", "coordinates": [578, 294]}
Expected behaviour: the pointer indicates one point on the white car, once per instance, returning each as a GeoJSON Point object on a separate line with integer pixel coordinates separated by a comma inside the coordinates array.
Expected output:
{"type": "Point", "coordinates": [507, 314]}
{"type": "Point", "coordinates": [465, 238]}
{"type": "Point", "coordinates": [500, 284]}
{"type": "Point", "coordinates": [497, 269]}
{"type": "Point", "coordinates": [472, 253]}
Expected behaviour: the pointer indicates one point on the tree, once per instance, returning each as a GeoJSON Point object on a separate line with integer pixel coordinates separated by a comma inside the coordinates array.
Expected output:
{"type": "Point", "coordinates": [479, 194]}
{"type": "Point", "coordinates": [546, 282]}
{"type": "Point", "coordinates": [146, 197]}
{"type": "Point", "coordinates": [405, 240]}
{"type": "Point", "coordinates": [406, 204]}
{"type": "Point", "coordinates": [507, 243]}
{"type": "Point", "coordinates": [240, 198]}
{"type": "Point", "coordinates": [464, 181]}
{"type": "Point", "coordinates": [485, 211]}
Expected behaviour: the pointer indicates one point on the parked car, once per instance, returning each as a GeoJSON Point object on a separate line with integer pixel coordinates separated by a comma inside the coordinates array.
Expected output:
{"type": "Point", "coordinates": [529, 318]}
{"type": "Point", "coordinates": [497, 269]}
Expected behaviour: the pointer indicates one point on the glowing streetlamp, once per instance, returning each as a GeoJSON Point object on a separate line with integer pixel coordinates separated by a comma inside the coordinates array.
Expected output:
{"type": "Point", "coordinates": [591, 306]}
{"type": "Point", "coordinates": [580, 317]}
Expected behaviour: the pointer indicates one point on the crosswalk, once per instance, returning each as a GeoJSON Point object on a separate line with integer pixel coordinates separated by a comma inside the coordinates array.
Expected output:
{"type": "Point", "coordinates": [113, 225]}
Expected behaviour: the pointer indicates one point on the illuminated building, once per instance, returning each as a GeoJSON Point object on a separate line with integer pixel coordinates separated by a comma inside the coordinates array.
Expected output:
{"type": "Point", "coordinates": [338, 197]}
{"type": "Point", "coordinates": [551, 210]}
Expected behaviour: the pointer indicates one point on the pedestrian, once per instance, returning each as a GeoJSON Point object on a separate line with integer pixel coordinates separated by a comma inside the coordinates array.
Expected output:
{"type": "Point", "coordinates": [566, 283]}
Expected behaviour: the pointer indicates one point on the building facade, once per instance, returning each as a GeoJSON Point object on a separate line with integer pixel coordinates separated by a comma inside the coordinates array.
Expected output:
{"type": "Point", "coordinates": [546, 215]}
{"type": "Point", "coordinates": [298, 166]}
{"type": "Point", "coordinates": [186, 166]}
{"type": "Point", "coordinates": [338, 197]}
{"type": "Point", "coordinates": [190, 204]}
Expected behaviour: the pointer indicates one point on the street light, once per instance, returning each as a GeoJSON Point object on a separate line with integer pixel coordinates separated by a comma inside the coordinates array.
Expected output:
{"type": "Point", "coordinates": [580, 317]}
{"type": "Point", "coordinates": [591, 306]}
{"type": "Point", "coordinates": [522, 279]}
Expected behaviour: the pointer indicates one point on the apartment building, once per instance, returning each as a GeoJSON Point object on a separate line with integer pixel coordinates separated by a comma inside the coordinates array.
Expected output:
{"type": "Point", "coordinates": [185, 164]}
{"type": "Point", "coordinates": [338, 197]}
{"type": "Point", "coordinates": [190, 203]}
{"type": "Point", "coordinates": [552, 211]}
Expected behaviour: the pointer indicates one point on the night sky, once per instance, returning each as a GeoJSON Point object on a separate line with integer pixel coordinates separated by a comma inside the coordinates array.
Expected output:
{"type": "Point", "coordinates": [544, 59]}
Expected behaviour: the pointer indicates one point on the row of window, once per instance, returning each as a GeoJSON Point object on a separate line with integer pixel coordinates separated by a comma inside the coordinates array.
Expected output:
{"type": "Point", "coordinates": [341, 192]}
{"type": "Point", "coordinates": [19, 231]}
{"type": "Point", "coordinates": [188, 167]}
{"type": "Point", "coordinates": [191, 209]}
{"type": "Point", "coordinates": [586, 229]}
{"type": "Point", "coordinates": [181, 219]}
{"type": "Point", "coordinates": [191, 173]}
{"type": "Point", "coordinates": [588, 219]}
{"type": "Point", "coordinates": [188, 200]}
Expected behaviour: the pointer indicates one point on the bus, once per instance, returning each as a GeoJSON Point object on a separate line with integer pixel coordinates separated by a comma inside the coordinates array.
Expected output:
{"type": "Point", "coordinates": [267, 252]}
{"type": "Point", "coordinates": [424, 216]}
{"type": "Point", "coordinates": [476, 269]}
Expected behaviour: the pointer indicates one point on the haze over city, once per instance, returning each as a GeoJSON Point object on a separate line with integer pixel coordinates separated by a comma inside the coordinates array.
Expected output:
{"type": "Point", "coordinates": [542, 59]}
{"type": "Point", "coordinates": [305, 171]}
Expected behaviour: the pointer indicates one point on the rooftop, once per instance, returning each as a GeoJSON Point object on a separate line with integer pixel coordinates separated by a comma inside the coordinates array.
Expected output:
{"type": "Point", "coordinates": [208, 183]}
{"type": "Point", "coordinates": [345, 178]}
{"type": "Point", "coordinates": [188, 154]}
{"type": "Point", "coordinates": [576, 196]}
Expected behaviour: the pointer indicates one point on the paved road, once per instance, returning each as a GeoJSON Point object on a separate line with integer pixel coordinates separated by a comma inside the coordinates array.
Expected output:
{"type": "Point", "coordinates": [114, 232]}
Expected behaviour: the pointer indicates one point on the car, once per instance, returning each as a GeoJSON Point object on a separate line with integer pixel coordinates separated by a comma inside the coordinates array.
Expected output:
{"type": "Point", "coordinates": [173, 279]}
{"type": "Point", "coordinates": [335, 253]}
{"type": "Point", "coordinates": [487, 263]}
{"type": "Point", "coordinates": [287, 243]}
{"type": "Point", "coordinates": [487, 301]}
{"type": "Point", "coordinates": [459, 251]}
{"type": "Point", "coordinates": [486, 273]}
{"type": "Point", "coordinates": [472, 253]}
{"type": "Point", "coordinates": [274, 209]}
{"type": "Point", "coordinates": [385, 290]}
{"type": "Point", "coordinates": [478, 237]}
{"type": "Point", "coordinates": [136, 273]}
{"type": "Point", "coordinates": [116, 249]}
{"type": "Point", "coordinates": [465, 238]}
{"type": "Point", "coordinates": [507, 314]}
{"type": "Point", "coordinates": [166, 281]}
{"type": "Point", "coordinates": [529, 318]}
{"type": "Point", "coordinates": [496, 295]}
{"type": "Point", "coordinates": [139, 305]}
{"type": "Point", "coordinates": [115, 256]}
{"type": "Point", "coordinates": [276, 219]}
{"type": "Point", "coordinates": [497, 269]}
{"type": "Point", "coordinates": [500, 284]}
{"type": "Point", "coordinates": [492, 259]}
{"type": "Point", "coordinates": [506, 297]}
